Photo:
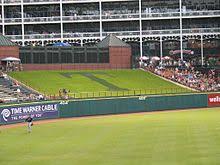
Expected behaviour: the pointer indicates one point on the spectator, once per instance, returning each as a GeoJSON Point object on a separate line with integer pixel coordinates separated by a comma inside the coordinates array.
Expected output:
{"type": "Point", "coordinates": [189, 77]}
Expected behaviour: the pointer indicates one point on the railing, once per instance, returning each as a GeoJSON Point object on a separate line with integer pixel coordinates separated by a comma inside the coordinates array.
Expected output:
{"type": "Point", "coordinates": [15, 37]}
{"type": "Point", "coordinates": [184, 14]}
{"type": "Point", "coordinates": [202, 30]}
{"type": "Point", "coordinates": [37, 1]}
{"type": "Point", "coordinates": [122, 33]}
{"type": "Point", "coordinates": [156, 15]}
{"type": "Point", "coordinates": [72, 35]}
{"type": "Point", "coordinates": [120, 16]}
{"type": "Point", "coordinates": [177, 31]}
{"type": "Point", "coordinates": [42, 19]}
{"type": "Point", "coordinates": [118, 33]}
{"type": "Point", "coordinates": [93, 34]}
{"type": "Point", "coordinates": [42, 36]}
{"type": "Point", "coordinates": [81, 17]}
{"type": "Point", "coordinates": [96, 17]}
{"type": "Point", "coordinates": [28, 1]}
{"type": "Point", "coordinates": [161, 32]}
{"type": "Point", "coordinates": [12, 1]}
{"type": "Point", "coordinates": [12, 20]}
{"type": "Point", "coordinates": [201, 13]}
{"type": "Point", "coordinates": [125, 93]}
{"type": "Point", "coordinates": [32, 1]}
{"type": "Point", "coordinates": [87, 1]}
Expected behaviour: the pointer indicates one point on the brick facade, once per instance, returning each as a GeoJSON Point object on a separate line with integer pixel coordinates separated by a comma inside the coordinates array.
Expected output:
{"type": "Point", "coordinates": [9, 51]}
{"type": "Point", "coordinates": [120, 58]}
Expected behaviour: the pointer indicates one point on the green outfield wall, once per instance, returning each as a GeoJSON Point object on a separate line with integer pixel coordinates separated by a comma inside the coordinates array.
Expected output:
{"type": "Point", "coordinates": [77, 108]}
{"type": "Point", "coordinates": [176, 102]}
{"type": "Point", "coordinates": [131, 105]}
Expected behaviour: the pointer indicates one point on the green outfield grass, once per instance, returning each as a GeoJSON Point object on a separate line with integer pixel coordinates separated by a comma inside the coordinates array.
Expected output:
{"type": "Point", "coordinates": [125, 81]}
{"type": "Point", "coordinates": [166, 138]}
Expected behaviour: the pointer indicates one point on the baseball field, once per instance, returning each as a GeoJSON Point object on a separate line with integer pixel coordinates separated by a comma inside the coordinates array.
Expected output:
{"type": "Point", "coordinates": [107, 82]}
{"type": "Point", "coordinates": [159, 138]}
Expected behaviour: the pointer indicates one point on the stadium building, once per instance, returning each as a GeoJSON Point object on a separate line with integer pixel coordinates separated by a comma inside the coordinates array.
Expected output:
{"type": "Point", "coordinates": [152, 27]}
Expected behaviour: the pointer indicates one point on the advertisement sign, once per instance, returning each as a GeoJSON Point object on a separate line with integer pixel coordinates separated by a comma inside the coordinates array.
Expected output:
{"type": "Point", "coordinates": [20, 113]}
{"type": "Point", "coordinates": [214, 99]}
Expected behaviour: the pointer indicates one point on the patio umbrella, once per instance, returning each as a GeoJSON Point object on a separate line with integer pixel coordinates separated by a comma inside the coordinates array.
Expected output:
{"type": "Point", "coordinates": [10, 59]}
{"type": "Point", "coordinates": [61, 44]}
{"type": "Point", "coordinates": [155, 58]}
{"type": "Point", "coordinates": [167, 58]}
{"type": "Point", "coordinates": [144, 58]}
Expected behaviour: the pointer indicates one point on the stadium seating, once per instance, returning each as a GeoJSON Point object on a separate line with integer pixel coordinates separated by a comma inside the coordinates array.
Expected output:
{"type": "Point", "coordinates": [14, 92]}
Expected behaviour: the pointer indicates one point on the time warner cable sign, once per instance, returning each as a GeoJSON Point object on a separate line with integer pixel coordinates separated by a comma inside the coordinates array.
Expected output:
{"type": "Point", "coordinates": [19, 113]}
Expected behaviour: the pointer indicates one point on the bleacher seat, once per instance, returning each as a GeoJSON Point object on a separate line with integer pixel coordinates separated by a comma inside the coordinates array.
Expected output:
{"type": "Point", "coordinates": [9, 93]}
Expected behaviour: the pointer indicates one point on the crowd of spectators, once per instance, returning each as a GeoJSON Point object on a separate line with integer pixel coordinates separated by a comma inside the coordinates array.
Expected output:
{"type": "Point", "coordinates": [209, 81]}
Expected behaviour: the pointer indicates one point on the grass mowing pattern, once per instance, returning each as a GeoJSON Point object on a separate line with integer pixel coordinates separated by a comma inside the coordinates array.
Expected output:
{"type": "Point", "coordinates": [91, 76]}
{"type": "Point", "coordinates": [111, 87]}
{"type": "Point", "coordinates": [168, 138]}
{"type": "Point", "coordinates": [49, 82]}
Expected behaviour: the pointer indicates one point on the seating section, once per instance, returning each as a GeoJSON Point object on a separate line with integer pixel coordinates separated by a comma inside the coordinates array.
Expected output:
{"type": "Point", "coordinates": [205, 82]}
{"type": "Point", "coordinates": [11, 91]}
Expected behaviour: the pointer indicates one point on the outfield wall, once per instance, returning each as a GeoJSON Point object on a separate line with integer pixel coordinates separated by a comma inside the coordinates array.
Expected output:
{"type": "Point", "coordinates": [77, 108]}
{"type": "Point", "coordinates": [131, 105]}
{"type": "Point", "coordinates": [39, 111]}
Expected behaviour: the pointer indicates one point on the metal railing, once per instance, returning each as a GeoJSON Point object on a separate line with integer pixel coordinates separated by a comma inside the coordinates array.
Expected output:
{"type": "Point", "coordinates": [32, 1]}
{"type": "Point", "coordinates": [41, 19]}
{"type": "Point", "coordinates": [15, 37]}
{"type": "Point", "coordinates": [156, 15]}
{"type": "Point", "coordinates": [184, 14]}
{"type": "Point", "coordinates": [12, 20]}
{"type": "Point", "coordinates": [28, 1]}
{"type": "Point", "coordinates": [201, 13]}
{"type": "Point", "coordinates": [96, 16]}
{"type": "Point", "coordinates": [80, 35]}
{"type": "Point", "coordinates": [177, 31]}
{"type": "Point", "coordinates": [81, 17]}
{"type": "Point", "coordinates": [122, 33]}
{"type": "Point", "coordinates": [42, 36]}
{"type": "Point", "coordinates": [11, 1]}
{"type": "Point", "coordinates": [124, 93]}
{"type": "Point", "coordinates": [120, 16]}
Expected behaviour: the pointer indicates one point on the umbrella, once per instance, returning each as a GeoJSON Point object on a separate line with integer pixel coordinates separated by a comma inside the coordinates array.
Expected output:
{"type": "Point", "coordinates": [166, 58]}
{"type": "Point", "coordinates": [61, 44]}
{"type": "Point", "coordinates": [155, 58]}
{"type": "Point", "coordinates": [10, 59]}
{"type": "Point", "coordinates": [144, 58]}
